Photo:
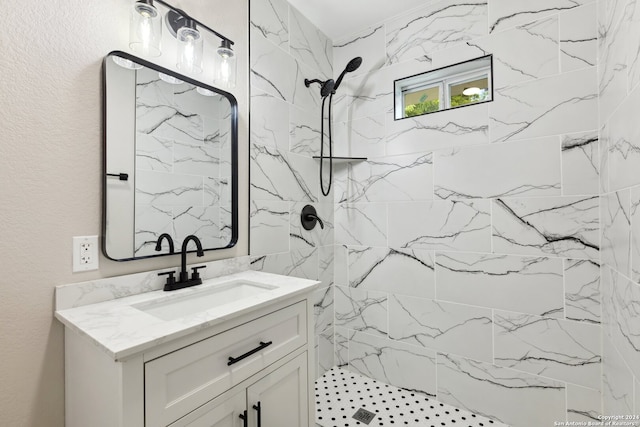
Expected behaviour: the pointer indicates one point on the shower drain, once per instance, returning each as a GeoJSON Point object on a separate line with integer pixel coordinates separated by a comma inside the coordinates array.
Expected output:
{"type": "Point", "coordinates": [363, 416]}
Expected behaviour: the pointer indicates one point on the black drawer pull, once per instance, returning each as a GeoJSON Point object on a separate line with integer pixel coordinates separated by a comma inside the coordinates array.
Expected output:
{"type": "Point", "coordinates": [262, 345]}
{"type": "Point", "coordinates": [245, 419]}
{"type": "Point", "coordinates": [258, 409]}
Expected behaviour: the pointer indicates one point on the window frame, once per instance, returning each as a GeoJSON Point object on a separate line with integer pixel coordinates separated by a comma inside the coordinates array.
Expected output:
{"type": "Point", "coordinates": [445, 77]}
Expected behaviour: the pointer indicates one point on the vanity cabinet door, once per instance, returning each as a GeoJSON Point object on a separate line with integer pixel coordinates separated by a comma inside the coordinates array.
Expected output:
{"type": "Point", "coordinates": [225, 411]}
{"type": "Point", "coordinates": [181, 381]}
{"type": "Point", "coordinates": [282, 397]}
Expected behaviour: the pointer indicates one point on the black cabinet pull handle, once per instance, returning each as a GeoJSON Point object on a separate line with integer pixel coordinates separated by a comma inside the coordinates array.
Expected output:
{"type": "Point", "coordinates": [245, 420]}
{"type": "Point", "coordinates": [120, 176]}
{"type": "Point", "coordinates": [259, 411]}
{"type": "Point", "coordinates": [262, 345]}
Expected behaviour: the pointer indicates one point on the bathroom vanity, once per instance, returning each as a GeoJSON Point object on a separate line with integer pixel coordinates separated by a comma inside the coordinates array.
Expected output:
{"type": "Point", "coordinates": [236, 351]}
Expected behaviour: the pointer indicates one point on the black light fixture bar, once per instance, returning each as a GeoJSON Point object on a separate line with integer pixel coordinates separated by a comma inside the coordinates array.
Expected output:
{"type": "Point", "coordinates": [198, 23]}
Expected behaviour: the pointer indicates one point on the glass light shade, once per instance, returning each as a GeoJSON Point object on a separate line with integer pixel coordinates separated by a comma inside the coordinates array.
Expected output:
{"type": "Point", "coordinates": [205, 92]}
{"type": "Point", "coordinates": [189, 50]}
{"type": "Point", "coordinates": [126, 63]}
{"type": "Point", "coordinates": [145, 29]}
{"type": "Point", "coordinates": [225, 70]}
{"type": "Point", "coordinates": [169, 79]}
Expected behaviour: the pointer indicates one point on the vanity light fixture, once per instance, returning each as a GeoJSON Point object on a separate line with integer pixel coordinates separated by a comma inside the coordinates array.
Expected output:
{"type": "Point", "coordinates": [146, 33]}
{"type": "Point", "coordinates": [145, 29]}
{"type": "Point", "coordinates": [226, 66]}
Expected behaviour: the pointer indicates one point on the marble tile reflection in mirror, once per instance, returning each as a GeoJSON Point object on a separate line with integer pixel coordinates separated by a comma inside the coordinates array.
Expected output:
{"type": "Point", "coordinates": [176, 139]}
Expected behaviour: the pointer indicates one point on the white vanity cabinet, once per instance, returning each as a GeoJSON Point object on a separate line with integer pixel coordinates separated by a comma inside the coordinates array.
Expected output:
{"type": "Point", "coordinates": [253, 370]}
{"type": "Point", "coordinates": [280, 399]}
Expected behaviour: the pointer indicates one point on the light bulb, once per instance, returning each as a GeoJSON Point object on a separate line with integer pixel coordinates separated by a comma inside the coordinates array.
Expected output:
{"type": "Point", "coordinates": [189, 49]}
{"type": "Point", "coordinates": [225, 74]}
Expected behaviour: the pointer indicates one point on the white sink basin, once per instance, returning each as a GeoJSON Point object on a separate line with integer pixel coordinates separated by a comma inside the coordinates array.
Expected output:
{"type": "Point", "coordinates": [174, 307]}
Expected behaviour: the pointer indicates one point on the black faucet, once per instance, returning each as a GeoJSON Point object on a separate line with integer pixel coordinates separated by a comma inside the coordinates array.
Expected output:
{"type": "Point", "coordinates": [184, 281]}
{"type": "Point", "coordinates": [159, 242]}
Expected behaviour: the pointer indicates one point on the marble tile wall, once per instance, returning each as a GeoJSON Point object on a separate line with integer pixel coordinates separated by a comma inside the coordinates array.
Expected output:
{"type": "Point", "coordinates": [619, 106]}
{"type": "Point", "coordinates": [488, 255]}
{"type": "Point", "coordinates": [183, 164]}
{"type": "Point", "coordinates": [468, 244]}
{"type": "Point", "coordinates": [285, 130]}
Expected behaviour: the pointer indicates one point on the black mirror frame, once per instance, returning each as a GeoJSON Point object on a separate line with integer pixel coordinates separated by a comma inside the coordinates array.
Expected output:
{"type": "Point", "coordinates": [234, 149]}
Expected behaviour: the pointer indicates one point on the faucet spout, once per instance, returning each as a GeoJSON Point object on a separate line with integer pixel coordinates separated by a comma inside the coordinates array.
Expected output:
{"type": "Point", "coordinates": [184, 275]}
{"type": "Point", "coordinates": [162, 237]}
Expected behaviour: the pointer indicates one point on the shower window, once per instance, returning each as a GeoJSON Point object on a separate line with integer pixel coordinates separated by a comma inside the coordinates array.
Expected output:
{"type": "Point", "coordinates": [455, 86]}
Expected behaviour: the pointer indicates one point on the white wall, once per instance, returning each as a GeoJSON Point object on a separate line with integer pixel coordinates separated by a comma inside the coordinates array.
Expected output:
{"type": "Point", "coordinates": [51, 161]}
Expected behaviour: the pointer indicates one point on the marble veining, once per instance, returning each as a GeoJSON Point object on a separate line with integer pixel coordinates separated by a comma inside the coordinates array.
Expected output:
{"type": "Point", "coordinates": [529, 168]}
{"type": "Point", "coordinates": [441, 225]}
{"type": "Point", "coordinates": [100, 290]}
{"type": "Point", "coordinates": [437, 26]}
{"type": "Point", "coordinates": [361, 310]}
{"type": "Point", "coordinates": [578, 37]}
{"type": "Point", "coordinates": [309, 45]}
{"type": "Point", "coordinates": [525, 284]}
{"type": "Point", "coordinates": [386, 179]}
{"type": "Point", "coordinates": [362, 224]}
{"type": "Point", "coordinates": [269, 227]}
{"type": "Point", "coordinates": [635, 234]}
{"type": "Point", "coordinates": [560, 226]}
{"type": "Point", "coordinates": [483, 388]}
{"type": "Point", "coordinates": [282, 176]}
{"type": "Point", "coordinates": [554, 348]}
{"type": "Point", "coordinates": [617, 382]}
{"type": "Point", "coordinates": [401, 271]}
{"type": "Point", "coordinates": [271, 19]}
{"type": "Point", "coordinates": [442, 326]}
{"type": "Point", "coordinates": [361, 137]}
{"type": "Point", "coordinates": [616, 230]}
{"type": "Point", "coordinates": [507, 13]}
{"type": "Point", "coordinates": [569, 105]}
{"type": "Point", "coordinates": [623, 302]}
{"type": "Point", "coordinates": [582, 288]}
{"type": "Point", "coordinates": [583, 404]}
{"type": "Point", "coordinates": [301, 263]}
{"type": "Point", "coordinates": [446, 129]}
{"type": "Point", "coordinates": [408, 367]}
{"type": "Point", "coordinates": [580, 163]}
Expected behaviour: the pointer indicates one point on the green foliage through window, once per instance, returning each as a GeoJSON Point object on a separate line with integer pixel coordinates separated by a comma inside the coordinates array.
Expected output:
{"type": "Point", "coordinates": [422, 107]}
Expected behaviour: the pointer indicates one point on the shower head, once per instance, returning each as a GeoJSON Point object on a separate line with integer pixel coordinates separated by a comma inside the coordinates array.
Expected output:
{"type": "Point", "coordinates": [353, 65]}
{"type": "Point", "coordinates": [326, 87]}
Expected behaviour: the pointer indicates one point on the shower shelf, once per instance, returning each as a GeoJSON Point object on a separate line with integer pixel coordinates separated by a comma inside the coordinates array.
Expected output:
{"type": "Point", "coordinates": [342, 158]}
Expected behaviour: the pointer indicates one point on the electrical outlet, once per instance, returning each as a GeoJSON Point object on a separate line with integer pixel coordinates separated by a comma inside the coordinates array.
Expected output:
{"type": "Point", "coordinates": [85, 253]}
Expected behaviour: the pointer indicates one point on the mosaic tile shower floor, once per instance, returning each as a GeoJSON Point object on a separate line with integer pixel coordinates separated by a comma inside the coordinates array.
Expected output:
{"type": "Point", "coordinates": [340, 393]}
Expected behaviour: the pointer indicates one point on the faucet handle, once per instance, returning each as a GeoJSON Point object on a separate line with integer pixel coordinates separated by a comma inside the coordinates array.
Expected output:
{"type": "Point", "coordinates": [171, 280]}
{"type": "Point", "coordinates": [195, 275]}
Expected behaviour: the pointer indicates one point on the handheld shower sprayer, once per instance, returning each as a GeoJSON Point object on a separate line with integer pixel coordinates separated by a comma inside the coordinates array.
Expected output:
{"type": "Point", "coordinates": [353, 65]}
{"type": "Point", "coordinates": [327, 89]}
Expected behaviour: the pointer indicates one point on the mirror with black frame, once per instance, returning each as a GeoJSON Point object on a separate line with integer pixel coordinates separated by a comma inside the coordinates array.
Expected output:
{"type": "Point", "coordinates": [170, 160]}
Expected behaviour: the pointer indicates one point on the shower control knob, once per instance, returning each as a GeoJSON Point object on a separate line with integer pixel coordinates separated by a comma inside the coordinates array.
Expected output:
{"type": "Point", "coordinates": [309, 218]}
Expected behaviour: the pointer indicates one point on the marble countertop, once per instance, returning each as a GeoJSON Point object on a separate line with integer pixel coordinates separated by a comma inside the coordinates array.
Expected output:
{"type": "Point", "coordinates": [122, 330]}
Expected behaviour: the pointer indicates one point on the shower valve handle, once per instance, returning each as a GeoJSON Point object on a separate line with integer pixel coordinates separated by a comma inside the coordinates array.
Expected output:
{"type": "Point", "coordinates": [309, 217]}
